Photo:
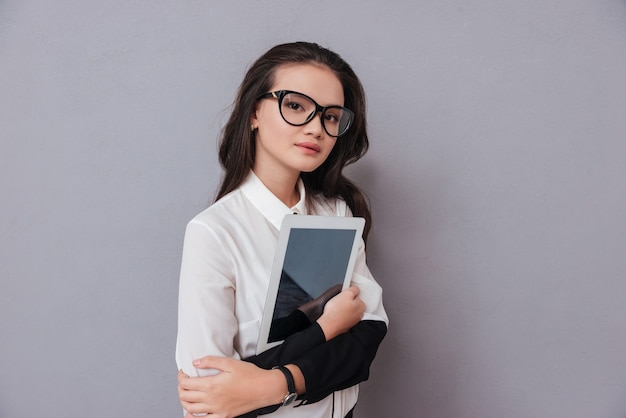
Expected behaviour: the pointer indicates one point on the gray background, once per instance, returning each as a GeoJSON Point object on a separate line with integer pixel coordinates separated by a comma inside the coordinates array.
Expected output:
{"type": "Point", "coordinates": [496, 174]}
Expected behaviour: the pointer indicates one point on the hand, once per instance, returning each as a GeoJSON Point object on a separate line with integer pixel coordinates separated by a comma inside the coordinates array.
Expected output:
{"type": "Point", "coordinates": [342, 313]}
{"type": "Point", "coordinates": [240, 387]}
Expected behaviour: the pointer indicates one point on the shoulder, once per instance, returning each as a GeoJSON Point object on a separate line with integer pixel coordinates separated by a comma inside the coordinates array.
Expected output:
{"type": "Point", "coordinates": [220, 215]}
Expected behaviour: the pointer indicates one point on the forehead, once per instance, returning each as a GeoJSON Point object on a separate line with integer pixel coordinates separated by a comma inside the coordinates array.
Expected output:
{"type": "Point", "coordinates": [314, 80]}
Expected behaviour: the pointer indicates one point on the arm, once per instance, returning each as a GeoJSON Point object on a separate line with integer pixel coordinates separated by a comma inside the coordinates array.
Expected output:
{"type": "Point", "coordinates": [340, 314]}
{"type": "Point", "coordinates": [242, 387]}
{"type": "Point", "coordinates": [327, 356]}
{"type": "Point", "coordinates": [346, 360]}
{"type": "Point", "coordinates": [330, 324]}
{"type": "Point", "coordinates": [206, 319]}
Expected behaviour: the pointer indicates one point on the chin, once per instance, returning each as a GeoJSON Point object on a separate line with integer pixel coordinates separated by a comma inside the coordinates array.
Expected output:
{"type": "Point", "coordinates": [309, 169]}
{"type": "Point", "coordinates": [307, 165]}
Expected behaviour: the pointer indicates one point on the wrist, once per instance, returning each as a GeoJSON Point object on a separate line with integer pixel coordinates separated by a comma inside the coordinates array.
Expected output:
{"type": "Point", "coordinates": [298, 378]}
{"type": "Point", "coordinates": [275, 387]}
{"type": "Point", "coordinates": [328, 328]}
{"type": "Point", "coordinates": [290, 394]}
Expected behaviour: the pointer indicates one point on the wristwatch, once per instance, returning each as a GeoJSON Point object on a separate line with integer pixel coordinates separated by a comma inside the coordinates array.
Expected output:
{"type": "Point", "coordinates": [291, 386]}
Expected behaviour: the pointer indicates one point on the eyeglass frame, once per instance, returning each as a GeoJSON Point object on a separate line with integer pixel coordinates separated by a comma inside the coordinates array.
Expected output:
{"type": "Point", "coordinates": [280, 95]}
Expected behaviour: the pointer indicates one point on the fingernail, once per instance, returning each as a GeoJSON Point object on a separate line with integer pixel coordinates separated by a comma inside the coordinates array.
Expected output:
{"type": "Point", "coordinates": [196, 362]}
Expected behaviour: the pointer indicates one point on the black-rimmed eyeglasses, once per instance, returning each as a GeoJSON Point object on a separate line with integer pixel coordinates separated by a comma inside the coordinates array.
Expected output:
{"type": "Point", "coordinates": [298, 109]}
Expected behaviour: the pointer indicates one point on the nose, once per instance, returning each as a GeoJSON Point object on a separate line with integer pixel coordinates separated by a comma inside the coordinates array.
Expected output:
{"type": "Point", "coordinates": [314, 127]}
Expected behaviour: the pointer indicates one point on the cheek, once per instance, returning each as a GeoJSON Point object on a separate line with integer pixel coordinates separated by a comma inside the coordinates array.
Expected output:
{"type": "Point", "coordinates": [272, 124]}
{"type": "Point", "coordinates": [330, 149]}
{"type": "Point", "coordinates": [266, 116]}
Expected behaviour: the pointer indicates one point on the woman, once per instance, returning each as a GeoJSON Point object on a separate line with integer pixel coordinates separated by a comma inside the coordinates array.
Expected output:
{"type": "Point", "coordinates": [298, 119]}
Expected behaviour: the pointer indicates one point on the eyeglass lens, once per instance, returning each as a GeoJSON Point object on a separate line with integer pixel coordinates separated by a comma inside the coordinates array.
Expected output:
{"type": "Point", "coordinates": [297, 109]}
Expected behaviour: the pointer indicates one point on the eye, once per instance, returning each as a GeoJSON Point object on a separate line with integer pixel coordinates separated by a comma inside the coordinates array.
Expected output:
{"type": "Point", "coordinates": [293, 105]}
{"type": "Point", "coordinates": [332, 115]}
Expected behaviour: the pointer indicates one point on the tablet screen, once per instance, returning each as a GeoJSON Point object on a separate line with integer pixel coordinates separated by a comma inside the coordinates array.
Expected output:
{"type": "Point", "coordinates": [314, 269]}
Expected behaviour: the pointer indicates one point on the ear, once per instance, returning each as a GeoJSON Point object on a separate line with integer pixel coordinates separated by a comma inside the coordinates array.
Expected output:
{"type": "Point", "coordinates": [254, 121]}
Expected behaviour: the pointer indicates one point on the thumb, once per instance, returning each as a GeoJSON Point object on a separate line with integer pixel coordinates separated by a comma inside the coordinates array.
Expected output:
{"type": "Point", "coordinates": [211, 362]}
{"type": "Point", "coordinates": [354, 290]}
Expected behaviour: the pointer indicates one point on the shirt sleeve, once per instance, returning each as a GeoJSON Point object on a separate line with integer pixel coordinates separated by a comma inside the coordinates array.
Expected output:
{"type": "Point", "coordinates": [370, 291]}
{"type": "Point", "coordinates": [206, 320]}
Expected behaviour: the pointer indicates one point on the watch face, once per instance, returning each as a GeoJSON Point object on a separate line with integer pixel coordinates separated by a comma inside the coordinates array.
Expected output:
{"type": "Point", "coordinates": [289, 399]}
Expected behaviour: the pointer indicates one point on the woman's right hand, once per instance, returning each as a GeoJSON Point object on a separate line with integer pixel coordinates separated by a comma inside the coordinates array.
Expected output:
{"type": "Point", "coordinates": [341, 313]}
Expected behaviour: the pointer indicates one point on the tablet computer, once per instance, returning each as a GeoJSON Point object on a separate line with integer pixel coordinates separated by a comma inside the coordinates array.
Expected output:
{"type": "Point", "coordinates": [314, 261]}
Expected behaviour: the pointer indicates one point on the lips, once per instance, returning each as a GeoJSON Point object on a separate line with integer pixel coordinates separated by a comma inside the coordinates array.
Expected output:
{"type": "Point", "coordinates": [309, 146]}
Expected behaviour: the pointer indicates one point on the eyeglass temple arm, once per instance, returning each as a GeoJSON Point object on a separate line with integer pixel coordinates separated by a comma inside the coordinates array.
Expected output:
{"type": "Point", "coordinates": [270, 94]}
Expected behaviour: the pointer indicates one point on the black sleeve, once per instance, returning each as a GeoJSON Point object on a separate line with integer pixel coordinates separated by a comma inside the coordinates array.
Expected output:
{"type": "Point", "coordinates": [327, 366]}
{"type": "Point", "coordinates": [341, 362]}
{"type": "Point", "coordinates": [293, 347]}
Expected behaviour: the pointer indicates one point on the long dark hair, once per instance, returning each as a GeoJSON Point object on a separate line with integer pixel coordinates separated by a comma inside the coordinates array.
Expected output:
{"type": "Point", "coordinates": [237, 149]}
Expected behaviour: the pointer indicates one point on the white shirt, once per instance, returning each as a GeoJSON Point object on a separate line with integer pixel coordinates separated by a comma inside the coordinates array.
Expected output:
{"type": "Point", "coordinates": [226, 264]}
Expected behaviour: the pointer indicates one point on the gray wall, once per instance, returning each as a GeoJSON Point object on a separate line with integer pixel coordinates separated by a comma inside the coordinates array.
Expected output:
{"type": "Point", "coordinates": [496, 174]}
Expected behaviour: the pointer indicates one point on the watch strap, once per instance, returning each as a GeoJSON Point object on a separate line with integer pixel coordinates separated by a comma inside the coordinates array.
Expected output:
{"type": "Point", "coordinates": [291, 386]}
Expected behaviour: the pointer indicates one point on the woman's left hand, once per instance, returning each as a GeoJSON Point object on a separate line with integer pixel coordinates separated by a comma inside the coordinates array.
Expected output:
{"type": "Point", "coordinates": [240, 387]}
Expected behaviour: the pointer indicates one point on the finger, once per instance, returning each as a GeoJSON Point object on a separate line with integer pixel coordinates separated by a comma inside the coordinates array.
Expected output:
{"type": "Point", "coordinates": [182, 375]}
{"type": "Point", "coordinates": [191, 396]}
{"type": "Point", "coordinates": [185, 381]}
{"type": "Point", "coordinates": [197, 414]}
{"type": "Point", "coordinates": [212, 362]}
{"type": "Point", "coordinates": [191, 383]}
{"type": "Point", "coordinates": [195, 409]}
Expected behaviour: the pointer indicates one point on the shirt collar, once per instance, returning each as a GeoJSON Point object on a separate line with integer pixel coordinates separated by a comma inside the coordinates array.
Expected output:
{"type": "Point", "coordinates": [268, 204]}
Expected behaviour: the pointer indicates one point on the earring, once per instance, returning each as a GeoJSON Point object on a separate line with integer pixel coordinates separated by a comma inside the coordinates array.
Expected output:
{"type": "Point", "coordinates": [252, 128]}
